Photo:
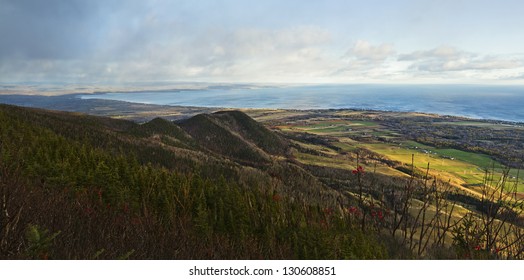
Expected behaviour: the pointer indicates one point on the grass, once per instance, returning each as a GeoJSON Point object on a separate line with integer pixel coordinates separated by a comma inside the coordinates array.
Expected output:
{"type": "Point", "coordinates": [338, 128]}
{"type": "Point", "coordinates": [318, 148]}
{"type": "Point", "coordinates": [461, 167]}
{"type": "Point", "coordinates": [483, 124]}
{"type": "Point", "coordinates": [480, 160]}
{"type": "Point", "coordinates": [343, 164]}
{"type": "Point", "coordinates": [346, 147]}
{"type": "Point", "coordinates": [466, 171]}
{"type": "Point", "coordinates": [324, 161]}
{"type": "Point", "coordinates": [334, 125]}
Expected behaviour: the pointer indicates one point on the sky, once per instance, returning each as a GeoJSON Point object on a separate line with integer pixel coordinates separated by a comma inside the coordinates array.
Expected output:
{"type": "Point", "coordinates": [271, 41]}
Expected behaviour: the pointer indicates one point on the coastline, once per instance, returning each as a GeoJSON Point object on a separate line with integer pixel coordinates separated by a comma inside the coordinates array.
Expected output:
{"type": "Point", "coordinates": [490, 103]}
{"type": "Point", "coordinates": [487, 103]}
{"type": "Point", "coordinates": [142, 112]}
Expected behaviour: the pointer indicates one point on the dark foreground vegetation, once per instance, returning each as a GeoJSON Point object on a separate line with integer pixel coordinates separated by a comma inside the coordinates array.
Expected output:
{"type": "Point", "coordinates": [220, 186]}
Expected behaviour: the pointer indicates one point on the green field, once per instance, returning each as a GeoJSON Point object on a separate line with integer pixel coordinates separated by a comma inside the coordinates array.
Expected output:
{"type": "Point", "coordinates": [335, 126]}
{"type": "Point", "coordinates": [343, 164]}
{"type": "Point", "coordinates": [480, 160]}
{"type": "Point", "coordinates": [446, 163]}
{"type": "Point", "coordinates": [483, 124]}
{"type": "Point", "coordinates": [460, 167]}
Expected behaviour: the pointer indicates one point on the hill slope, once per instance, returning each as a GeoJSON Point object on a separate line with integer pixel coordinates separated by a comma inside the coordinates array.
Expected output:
{"type": "Point", "coordinates": [217, 186]}
{"type": "Point", "coordinates": [214, 135]}
{"type": "Point", "coordinates": [253, 131]}
{"type": "Point", "coordinates": [82, 187]}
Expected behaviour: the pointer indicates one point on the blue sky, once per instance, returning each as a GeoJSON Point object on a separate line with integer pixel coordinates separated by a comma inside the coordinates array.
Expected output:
{"type": "Point", "coordinates": [112, 41]}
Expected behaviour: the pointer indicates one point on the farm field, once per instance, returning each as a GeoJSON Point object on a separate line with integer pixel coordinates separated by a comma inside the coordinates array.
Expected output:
{"type": "Point", "coordinates": [350, 134]}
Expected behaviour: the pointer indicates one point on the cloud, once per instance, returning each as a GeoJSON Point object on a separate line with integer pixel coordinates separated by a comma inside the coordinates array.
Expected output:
{"type": "Point", "coordinates": [250, 43]}
{"type": "Point", "coordinates": [444, 59]}
{"type": "Point", "coordinates": [364, 50]}
{"type": "Point", "coordinates": [517, 76]}
{"type": "Point", "coordinates": [162, 40]}
{"type": "Point", "coordinates": [367, 62]}
{"type": "Point", "coordinates": [364, 61]}
{"type": "Point", "coordinates": [117, 41]}
{"type": "Point", "coordinates": [212, 54]}
{"type": "Point", "coordinates": [258, 52]}
{"type": "Point", "coordinates": [442, 52]}
{"type": "Point", "coordinates": [52, 29]}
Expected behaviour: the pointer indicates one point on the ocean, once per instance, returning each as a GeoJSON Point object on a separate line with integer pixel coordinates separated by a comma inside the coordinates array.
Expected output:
{"type": "Point", "coordinates": [473, 101]}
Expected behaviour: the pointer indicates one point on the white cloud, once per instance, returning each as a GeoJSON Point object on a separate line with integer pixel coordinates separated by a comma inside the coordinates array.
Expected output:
{"type": "Point", "coordinates": [364, 50]}
{"type": "Point", "coordinates": [255, 54]}
{"type": "Point", "coordinates": [153, 50]}
{"type": "Point", "coordinates": [444, 59]}
{"type": "Point", "coordinates": [366, 62]}
{"type": "Point", "coordinates": [214, 54]}
{"type": "Point", "coordinates": [442, 52]}
{"type": "Point", "coordinates": [255, 41]}
{"type": "Point", "coordinates": [516, 76]}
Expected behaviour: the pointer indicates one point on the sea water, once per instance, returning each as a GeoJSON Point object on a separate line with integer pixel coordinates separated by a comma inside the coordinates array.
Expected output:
{"type": "Point", "coordinates": [474, 101]}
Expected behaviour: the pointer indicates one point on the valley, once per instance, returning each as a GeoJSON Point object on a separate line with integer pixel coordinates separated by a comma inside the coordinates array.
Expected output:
{"type": "Point", "coordinates": [377, 134]}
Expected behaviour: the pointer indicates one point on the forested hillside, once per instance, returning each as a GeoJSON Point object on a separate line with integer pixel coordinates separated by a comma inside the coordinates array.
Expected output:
{"type": "Point", "coordinates": [82, 187]}
{"type": "Point", "coordinates": [221, 186]}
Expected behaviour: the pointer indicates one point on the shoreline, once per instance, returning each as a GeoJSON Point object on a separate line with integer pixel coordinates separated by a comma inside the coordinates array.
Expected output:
{"type": "Point", "coordinates": [468, 101]}
{"type": "Point", "coordinates": [318, 110]}
{"type": "Point", "coordinates": [480, 102]}
{"type": "Point", "coordinates": [73, 102]}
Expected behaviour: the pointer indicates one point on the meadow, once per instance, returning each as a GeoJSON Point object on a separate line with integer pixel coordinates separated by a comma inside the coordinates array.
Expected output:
{"type": "Point", "coordinates": [462, 168]}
